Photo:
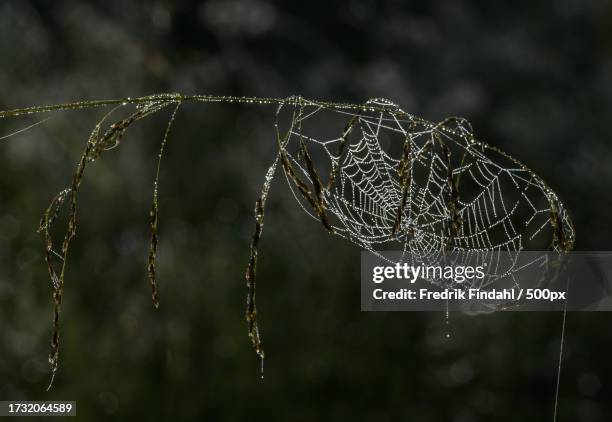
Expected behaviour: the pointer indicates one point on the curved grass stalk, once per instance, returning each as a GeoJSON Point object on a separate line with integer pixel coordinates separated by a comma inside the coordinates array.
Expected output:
{"type": "Point", "coordinates": [101, 141]}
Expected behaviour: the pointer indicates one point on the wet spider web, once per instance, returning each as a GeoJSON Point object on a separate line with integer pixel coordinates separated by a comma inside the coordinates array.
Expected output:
{"type": "Point", "coordinates": [441, 190]}
{"type": "Point", "coordinates": [387, 180]}
{"type": "Point", "coordinates": [390, 180]}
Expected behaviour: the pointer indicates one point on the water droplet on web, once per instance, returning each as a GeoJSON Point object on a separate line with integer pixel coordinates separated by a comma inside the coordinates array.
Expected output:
{"type": "Point", "coordinates": [447, 320]}
{"type": "Point", "coordinates": [261, 368]}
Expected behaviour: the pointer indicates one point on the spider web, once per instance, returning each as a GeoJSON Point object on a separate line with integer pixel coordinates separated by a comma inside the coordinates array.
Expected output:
{"type": "Point", "coordinates": [400, 182]}
{"type": "Point", "coordinates": [390, 181]}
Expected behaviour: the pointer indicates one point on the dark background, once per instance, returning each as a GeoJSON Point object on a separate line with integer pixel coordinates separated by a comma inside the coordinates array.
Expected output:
{"type": "Point", "coordinates": [534, 79]}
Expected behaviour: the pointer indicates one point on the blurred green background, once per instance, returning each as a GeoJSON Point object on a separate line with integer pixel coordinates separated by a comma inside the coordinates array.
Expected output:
{"type": "Point", "coordinates": [534, 78]}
